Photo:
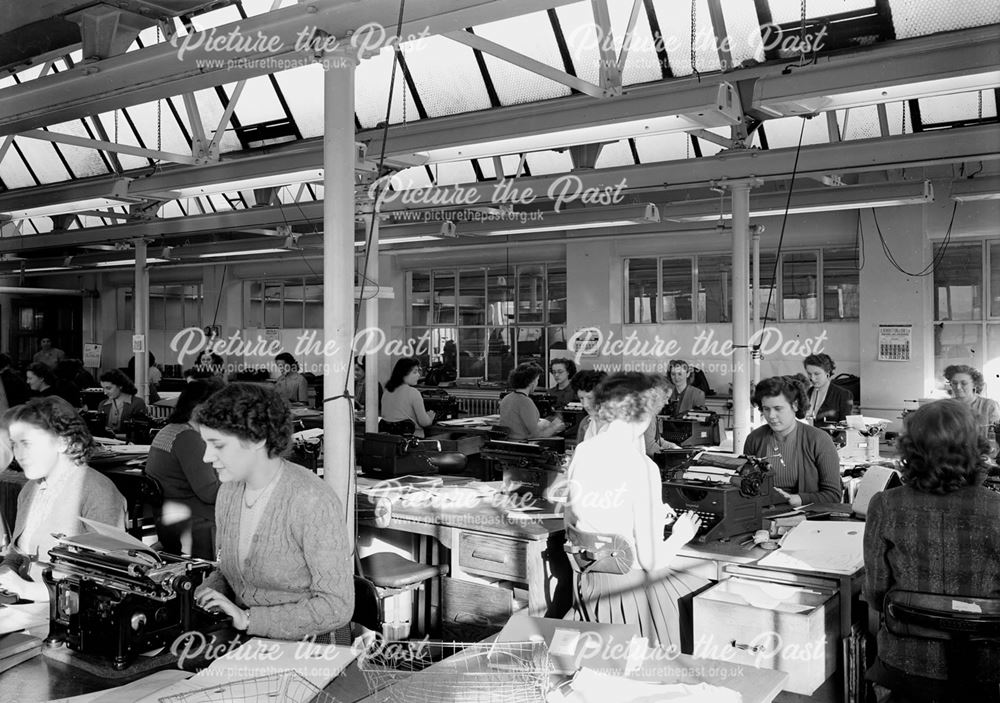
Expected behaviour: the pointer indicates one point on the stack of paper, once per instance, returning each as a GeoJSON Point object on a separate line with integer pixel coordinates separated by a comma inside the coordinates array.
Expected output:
{"type": "Point", "coordinates": [831, 547]}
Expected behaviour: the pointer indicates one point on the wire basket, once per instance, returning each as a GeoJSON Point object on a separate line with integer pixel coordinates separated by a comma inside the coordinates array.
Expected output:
{"type": "Point", "coordinates": [508, 672]}
{"type": "Point", "coordinates": [283, 687]}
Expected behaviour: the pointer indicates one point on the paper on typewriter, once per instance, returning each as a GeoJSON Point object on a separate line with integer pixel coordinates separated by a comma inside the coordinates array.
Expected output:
{"type": "Point", "coordinates": [105, 539]}
{"type": "Point", "coordinates": [718, 468]}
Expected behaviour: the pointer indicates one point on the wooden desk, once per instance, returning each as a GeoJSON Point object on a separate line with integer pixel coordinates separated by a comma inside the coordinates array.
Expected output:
{"type": "Point", "coordinates": [483, 541]}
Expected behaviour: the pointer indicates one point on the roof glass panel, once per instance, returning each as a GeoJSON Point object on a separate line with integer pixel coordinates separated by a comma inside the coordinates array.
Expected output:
{"type": "Point", "coordinates": [532, 36]}
{"type": "Point", "coordinates": [301, 86]}
{"type": "Point", "coordinates": [258, 103]}
{"type": "Point", "coordinates": [83, 161]}
{"type": "Point", "coordinates": [675, 24]}
{"type": "Point", "coordinates": [952, 108]}
{"type": "Point", "coordinates": [122, 135]}
{"type": "Point", "coordinates": [39, 224]}
{"type": "Point", "coordinates": [219, 203]}
{"type": "Point", "coordinates": [914, 18]}
{"type": "Point", "coordinates": [581, 34]}
{"type": "Point", "coordinates": [216, 18]}
{"type": "Point", "coordinates": [784, 132]}
{"type": "Point", "coordinates": [415, 177]}
{"type": "Point", "coordinates": [371, 92]}
{"type": "Point", "coordinates": [743, 30]}
{"type": "Point", "coordinates": [899, 117]}
{"type": "Point", "coordinates": [859, 123]}
{"type": "Point", "coordinates": [156, 125]}
{"type": "Point", "coordinates": [453, 172]}
{"type": "Point", "coordinates": [259, 7]}
{"type": "Point", "coordinates": [642, 64]}
{"type": "Point", "coordinates": [508, 164]}
{"type": "Point", "coordinates": [545, 162]}
{"type": "Point", "coordinates": [43, 159]}
{"type": "Point", "coordinates": [446, 75]}
{"type": "Point", "coordinates": [662, 147]}
{"type": "Point", "coordinates": [783, 11]}
{"type": "Point", "coordinates": [615, 154]}
{"type": "Point", "coordinates": [210, 108]}
{"type": "Point", "coordinates": [13, 172]}
{"type": "Point", "coordinates": [171, 209]}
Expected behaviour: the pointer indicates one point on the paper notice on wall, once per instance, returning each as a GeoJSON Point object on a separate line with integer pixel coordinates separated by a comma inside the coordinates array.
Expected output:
{"type": "Point", "coordinates": [895, 342]}
{"type": "Point", "coordinates": [92, 355]}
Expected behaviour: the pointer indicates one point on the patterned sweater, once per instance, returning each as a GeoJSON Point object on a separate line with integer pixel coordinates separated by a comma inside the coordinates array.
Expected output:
{"type": "Point", "coordinates": [941, 544]}
{"type": "Point", "coordinates": [298, 578]}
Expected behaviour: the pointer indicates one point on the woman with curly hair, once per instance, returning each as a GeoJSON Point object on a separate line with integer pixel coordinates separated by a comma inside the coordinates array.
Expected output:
{"type": "Point", "coordinates": [614, 488]}
{"type": "Point", "coordinates": [121, 404]}
{"type": "Point", "coordinates": [966, 385]}
{"type": "Point", "coordinates": [938, 533]}
{"type": "Point", "coordinates": [803, 458]}
{"type": "Point", "coordinates": [285, 568]}
{"type": "Point", "coordinates": [51, 443]}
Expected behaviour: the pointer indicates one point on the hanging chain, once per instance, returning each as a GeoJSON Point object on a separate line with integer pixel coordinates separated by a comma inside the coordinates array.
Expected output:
{"type": "Point", "coordinates": [802, 33]}
{"type": "Point", "coordinates": [902, 128]}
{"type": "Point", "coordinates": [159, 108]}
{"type": "Point", "coordinates": [694, 35]}
{"type": "Point", "coordinates": [979, 96]}
{"type": "Point", "coordinates": [116, 126]}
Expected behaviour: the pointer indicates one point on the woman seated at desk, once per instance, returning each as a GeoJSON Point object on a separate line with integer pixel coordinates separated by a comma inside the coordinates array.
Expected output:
{"type": "Point", "coordinates": [186, 524]}
{"type": "Point", "coordinates": [828, 402]}
{"type": "Point", "coordinates": [584, 382]}
{"type": "Point", "coordinates": [121, 404]}
{"type": "Point", "coordinates": [563, 371]}
{"type": "Point", "coordinates": [285, 568]}
{"type": "Point", "coordinates": [803, 459]}
{"type": "Point", "coordinates": [686, 396]}
{"type": "Point", "coordinates": [938, 534]}
{"type": "Point", "coordinates": [43, 383]}
{"type": "Point", "coordinates": [51, 443]}
{"type": "Point", "coordinates": [627, 501]}
{"type": "Point", "coordinates": [966, 385]}
{"type": "Point", "coordinates": [291, 385]}
{"type": "Point", "coordinates": [402, 402]}
{"type": "Point", "coordinates": [518, 412]}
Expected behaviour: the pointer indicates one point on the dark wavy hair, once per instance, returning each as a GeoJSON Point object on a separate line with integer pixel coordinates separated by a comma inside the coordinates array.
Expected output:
{"type": "Point", "coordinates": [568, 363]}
{"type": "Point", "coordinates": [628, 396]}
{"type": "Point", "coordinates": [118, 378]}
{"type": "Point", "coordinates": [586, 381]}
{"type": "Point", "coordinates": [56, 416]}
{"type": "Point", "coordinates": [793, 388]}
{"type": "Point", "coordinates": [400, 371]}
{"type": "Point", "coordinates": [194, 393]}
{"type": "Point", "coordinates": [978, 382]}
{"type": "Point", "coordinates": [676, 363]}
{"type": "Point", "coordinates": [250, 412]}
{"type": "Point", "coordinates": [941, 449]}
{"type": "Point", "coordinates": [523, 375]}
{"type": "Point", "coordinates": [823, 361]}
{"type": "Point", "coordinates": [43, 372]}
{"type": "Point", "coordinates": [287, 358]}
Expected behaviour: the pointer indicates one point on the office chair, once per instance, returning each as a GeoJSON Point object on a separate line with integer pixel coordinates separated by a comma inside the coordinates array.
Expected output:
{"type": "Point", "coordinates": [393, 575]}
{"type": "Point", "coordinates": [403, 428]}
{"type": "Point", "coordinates": [962, 623]}
{"type": "Point", "coordinates": [143, 494]}
{"type": "Point", "coordinates": [367, 609]}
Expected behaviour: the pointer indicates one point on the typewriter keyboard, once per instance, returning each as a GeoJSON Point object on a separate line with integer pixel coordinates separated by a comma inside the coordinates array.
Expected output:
{"type": "Point", "coordinates": [708, 521]}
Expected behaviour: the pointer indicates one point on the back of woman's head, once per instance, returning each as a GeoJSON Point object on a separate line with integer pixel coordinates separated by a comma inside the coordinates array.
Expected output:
{"type": "Point", "coordinates": [941, 449]}
{"type": "Point", "coordinates": [587, 380]}
{"type": "Point", "coordinates": [523, 375]}
{"type": "Point", "coordinates": [628, 396]}
{"type": "Point", "coordinates": [194, 393]}
{"type": "Point", "coordinates": [400, 371]}
{"type": "Point", "coordinates": [792, 388]}
{"type": "Point", "coordinates": [118, 378]}
{"type": "Point", "coordinates": [250, 412]}
{"type": "Point", "coordinates": [43, 372]}
{"type": "Point", "coordinates": [58, 417]}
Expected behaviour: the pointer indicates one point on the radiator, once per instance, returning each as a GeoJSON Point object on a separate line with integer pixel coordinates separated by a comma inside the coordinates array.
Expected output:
{"type": "Point", "coordinates": [477, 407]}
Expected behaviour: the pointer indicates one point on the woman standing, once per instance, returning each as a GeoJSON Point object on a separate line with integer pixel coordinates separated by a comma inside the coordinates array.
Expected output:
{"type": "Point", "coordinates": [51, 443]}
{"type": "Point", "coordinates": [285, 568]}
{"type": "Point", "coordinates": [402, 401]}
{"type": "Point", "coordinates": [121, 403]}
{"type": "Point", "coordinates": [291, 385]}
{"type": "Point", "coordinates": [966, 386]}
{"type": "Point", "coordinates": [937, 534]}
{"type": "Point", "coordinates": [186, 524]}
{"type": "Point", "coordinates": [626, 501]}
{"type": "Point", "coordinates": [828, 402]}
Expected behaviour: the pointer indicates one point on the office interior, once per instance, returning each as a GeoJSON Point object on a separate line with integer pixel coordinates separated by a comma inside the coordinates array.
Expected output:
{"type": "Point", "coordinates": [825, 198]}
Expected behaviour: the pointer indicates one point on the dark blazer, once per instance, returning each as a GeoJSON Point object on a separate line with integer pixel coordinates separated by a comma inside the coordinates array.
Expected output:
{"type": "Point", "coordinates": [15, 387]}
{"type": "Point", "coordinates": [819, 468]}
{"type": "Point", "coordinates": [939, 544]}
{"type": "Point", "coordinates": [838, 404]}
{"type": "Point", "coordinates": [133, 408]}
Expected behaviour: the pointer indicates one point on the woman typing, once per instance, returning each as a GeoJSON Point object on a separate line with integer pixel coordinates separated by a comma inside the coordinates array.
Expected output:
{"type": "Point", "coordinates": [966, 386]}
{"type": "Point", "coordinates": [285, 567]}
{"type": "Point", "coordinates": [402, 402]}
{"type": "Point", "coordinates": [291, 385]}
{"type": "Point", "coordinates": [686, 396]}
{"type": "Point", "coordinates": [562, 371]}
{"type": "Point", "coordinates": [518, 412]}
{"type": "Point", "coordinates": [803, 458]}
{"type": "Point", "coordinates": [121, 404]}
{"type": "Point", "coordinates": [828, 402]}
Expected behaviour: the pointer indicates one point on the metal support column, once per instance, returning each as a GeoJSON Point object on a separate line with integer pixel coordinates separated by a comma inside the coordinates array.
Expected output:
{"type": "Point", "coordinates": [741, 310]}
{"type": "Point", "coordinates": [140, 303]}
{"type": "Point", "coordinates": [755, 328]}
{"type": "Point", "coordinates": [371, 320]}
{"type": "Point", "coordinates": [338, 278]}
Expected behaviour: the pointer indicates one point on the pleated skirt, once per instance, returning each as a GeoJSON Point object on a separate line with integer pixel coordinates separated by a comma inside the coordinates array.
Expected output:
{"type": "Point", "coordinates": [660, 607]}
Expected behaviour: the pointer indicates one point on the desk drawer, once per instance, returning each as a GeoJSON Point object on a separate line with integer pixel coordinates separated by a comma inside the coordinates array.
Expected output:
{"type": "Point", "coordinates": [471, 612]}
{"type": "Point", "coordinates": [493, 556]}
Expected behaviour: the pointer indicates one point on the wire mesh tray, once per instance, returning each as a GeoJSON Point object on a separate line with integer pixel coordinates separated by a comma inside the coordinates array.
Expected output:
{"type": "Point", "coordinates": [284, 687]}
{"type": "Point", "coordinates": [508, 672]}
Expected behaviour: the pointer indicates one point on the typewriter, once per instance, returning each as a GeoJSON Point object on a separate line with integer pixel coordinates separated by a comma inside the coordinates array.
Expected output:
{"type": "Point", "coordinates": [693, 428]}
{"type": "Point", "coordinates": [111, 600]}
{"type": "Point", "coordinates": [728, 493]}
{"type": "Point", "coordinates": [385, 456]}
{"type": "Point", "coordinates": [444, 405]}
{"type": "Point", "coordinates": [527, 468]}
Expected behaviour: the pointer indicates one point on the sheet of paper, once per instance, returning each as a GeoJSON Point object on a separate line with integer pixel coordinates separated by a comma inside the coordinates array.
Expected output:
{"type": "Point", "coordinates": [111, 540]}
{"type": "Point", "coordinates": [564, 642]}
{"type": "Point", "coordinates": [319, 664]}
{"type": "Point", "coordinates": [835, 547]}
{"type": "Point", "coordinates": [148, 689]}
{"type": "Point", "coordinates": [14, 618]}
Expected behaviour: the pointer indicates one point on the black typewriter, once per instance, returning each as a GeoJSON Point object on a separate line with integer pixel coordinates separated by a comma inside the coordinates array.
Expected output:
{"type": "Point", "coordinates": [444, 405]}
{"type": "Point", "coordinates": [529, 469]}
{"type": "Point", "coordinates": [693, 428]}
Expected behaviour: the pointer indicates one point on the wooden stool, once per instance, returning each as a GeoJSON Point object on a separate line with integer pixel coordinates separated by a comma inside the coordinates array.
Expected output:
{"type": "Point", "coordinates": [392, 575]}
